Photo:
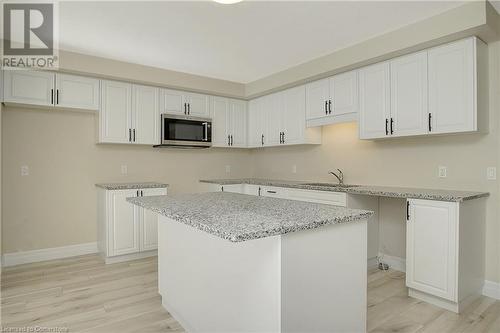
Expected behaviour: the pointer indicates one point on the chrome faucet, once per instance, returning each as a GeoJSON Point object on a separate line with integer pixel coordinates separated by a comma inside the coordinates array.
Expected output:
{"type": "Point", "coordinates": [340, 176]}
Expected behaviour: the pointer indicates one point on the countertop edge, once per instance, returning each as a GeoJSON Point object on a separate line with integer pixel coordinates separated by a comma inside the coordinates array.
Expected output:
{"type": "Point", "coordinates": [360, 190]}
{"type": "Point", "coordinates": [130, 186]}
{"type": "Point", "coordinates": [363, 215]}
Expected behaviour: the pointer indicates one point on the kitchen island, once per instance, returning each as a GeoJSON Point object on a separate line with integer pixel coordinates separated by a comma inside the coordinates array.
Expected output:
{"type": "Point", "coordinates": [232, 262]}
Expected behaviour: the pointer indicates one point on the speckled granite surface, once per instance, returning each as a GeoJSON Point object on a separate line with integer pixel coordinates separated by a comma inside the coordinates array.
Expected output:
{"type": "Point", "coordinates": [240, 217]}
{"type": "Point", "coordinates": [380, 191]}
{"type": "Point", "coordinates": [130, 186]}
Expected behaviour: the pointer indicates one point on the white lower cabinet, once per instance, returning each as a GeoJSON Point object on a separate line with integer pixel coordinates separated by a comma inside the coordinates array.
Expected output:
{"type": "Point", "coordinates": [431, 247]}
{"type": "Point", "coordinates": [126, 229]}
{"type": "Point", "coordinates": [445, 251]}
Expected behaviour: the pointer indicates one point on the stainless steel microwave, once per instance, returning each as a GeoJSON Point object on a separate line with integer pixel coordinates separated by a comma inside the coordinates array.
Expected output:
{"type": "Point", "coordinates": [185, 131]}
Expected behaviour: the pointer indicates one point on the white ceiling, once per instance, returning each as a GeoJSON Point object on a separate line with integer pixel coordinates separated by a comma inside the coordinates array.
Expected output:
{"type": "Point", "coordinates": [240, 42]}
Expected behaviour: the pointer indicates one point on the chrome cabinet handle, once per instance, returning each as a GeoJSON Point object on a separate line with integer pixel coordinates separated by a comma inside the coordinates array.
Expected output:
{"type": "Point", "coordinates": [205, 131]}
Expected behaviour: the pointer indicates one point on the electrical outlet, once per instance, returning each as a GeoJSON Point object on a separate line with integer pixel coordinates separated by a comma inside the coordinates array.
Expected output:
{"type": "Point", "coordinates": [124, 169]}
{"type": "Point", "coordinates": [228, 169]}
{"type": "Point", "coordinates": [25, 170]}
{"type": "Point", "coordinates": [491, 173]}
{"type": "Point", "coordinates": [442, 172]}
{"type": "Point", "coordinates": [294, 168]}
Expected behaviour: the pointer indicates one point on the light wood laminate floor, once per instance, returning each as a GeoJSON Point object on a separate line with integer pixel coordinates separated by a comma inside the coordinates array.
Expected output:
{"type": "Point", "coordinates": [85, 295]}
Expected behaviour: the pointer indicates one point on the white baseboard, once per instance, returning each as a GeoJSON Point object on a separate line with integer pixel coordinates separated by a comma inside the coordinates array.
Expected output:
{"type": "Point", "coordinates": [26, 257]}
{"type": "Point", "coordinates": [396, 263]}
{"type": "Point", "coordinates": [372, 262]}
{"type": "Point", "coordinates": [491, 289]}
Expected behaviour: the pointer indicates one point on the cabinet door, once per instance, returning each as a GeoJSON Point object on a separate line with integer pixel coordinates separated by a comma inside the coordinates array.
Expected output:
{"type": "Point", "coordinates": [409, 94]}
{"type": "Point", "coordinates": [115, 118]}
{"type": "Point", "coordinates": [238, 123]}
{"type": "Point", "coordinates": [29, 87]}
{"type": "Point", "coordinates": [146, 114]}
{"type": "Point", "coordinates": [294, 115]}
{"type": "Point", "coordinates": [344, 93]}
{"type": "Point", "coordinates": [198, 105]}
{"type": "Point", "coordinates": [220, 121]}
{"type": "Point", "coordinates": [317, 96]}
{"type": "Point", "coordinates": [273, 109]}
{"type": "Point", "coordinates": [374, 101]}
{"type": "Point", "coordinates": [77, 92]}
{"type": "Point", "coordinates": [123, 225]}
{"type": "Point", "coordinates": [452, 87]}
{"type": "Point", "coordinates": [149, 222]}
{"type": "Point", "coordinates": [431, 247]}
{"type": "Point", "coordinates": [172, 102]}
{"type": "Point", "coordinates": [233, 188]}
{"type": "Point", "coordinates": [256, 123]}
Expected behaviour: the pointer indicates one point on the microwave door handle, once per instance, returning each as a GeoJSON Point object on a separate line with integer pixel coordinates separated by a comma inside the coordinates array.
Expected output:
{"type": "Point", "coordinates": [205, 131]}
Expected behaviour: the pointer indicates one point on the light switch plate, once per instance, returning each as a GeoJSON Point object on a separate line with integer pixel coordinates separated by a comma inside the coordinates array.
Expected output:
{"type": "Point", "coordinates": [294, 168]}
{"type": "Point", "coordinates": [442, 172]}
{"type": "Point", "coordinates": [491, 173]}
{"type": "Point", "coordinates": [124, 169]}
{"type": "Point", "coordinates": [228, 169]}
{"type": "Point", "coordinates": [25, 170]}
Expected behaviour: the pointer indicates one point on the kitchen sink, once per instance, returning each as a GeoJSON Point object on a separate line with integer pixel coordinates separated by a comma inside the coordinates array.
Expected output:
{"type": "Point", "coordinates": [330, 185]}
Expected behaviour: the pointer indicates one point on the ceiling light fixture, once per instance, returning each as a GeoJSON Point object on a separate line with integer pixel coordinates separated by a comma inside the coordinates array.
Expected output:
{"type": "Point", "coordinates": [228, 2]}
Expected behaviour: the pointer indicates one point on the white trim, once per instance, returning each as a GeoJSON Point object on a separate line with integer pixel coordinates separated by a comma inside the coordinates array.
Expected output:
{"type": "Point", "coordinates": [131, 256]}
{"type": "Point", "coordinates": [372, 262]}
{"type": "Point", "coordinates": [396, 263]}
{"type": "Point", "coordinates": [491, 289]}
{"type": "Point", "coordinates": [26, 257]}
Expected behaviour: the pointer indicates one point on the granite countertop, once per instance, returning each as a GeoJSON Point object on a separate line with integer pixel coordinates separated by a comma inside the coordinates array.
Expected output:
{"type": "Point", "coordinates": [241, 217]}
{"type": "Point", "coordinates": [380, 191]}
{"type": "Point", "coordinates": [130, 186]}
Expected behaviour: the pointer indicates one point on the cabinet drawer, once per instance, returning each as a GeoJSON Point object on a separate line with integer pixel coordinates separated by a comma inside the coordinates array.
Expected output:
{"type": "Point", "coordinates": [275, 192]}
{"type": "Point", "coordinates": [322, 197]}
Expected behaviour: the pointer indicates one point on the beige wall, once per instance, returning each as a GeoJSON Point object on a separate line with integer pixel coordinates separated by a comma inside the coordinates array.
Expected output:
{"type": "Point", "coordinates": [56, 204]}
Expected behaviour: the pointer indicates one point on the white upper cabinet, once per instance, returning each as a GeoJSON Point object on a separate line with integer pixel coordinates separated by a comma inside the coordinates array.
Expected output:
{"type": "Point", "coordinates": [181, 102]}
{"type": "Point", "coordinates": [146, 116]}
{"type": "Point", "coordinates": [48, 89]}
{"type": "Point", "coordinates": [172, 102]}
{"type": "Point", "coordinates": [256, 123]}
{"type": "Point", "coordinates": [29, 87]}
{"type": "Point", "coordinates": [436, 91]}
{"type": "Point", "coordinates": [453, 86]}
{"type": "Point", "coordinates": [317, 97]}
{"type": "Point", "coordinates": [374, 101]}
{"type": "Point", "coordinates": [332, 100]}
{"type": "Point", "coordinates": [280, 119]}
{"type": "Point", "coordinates": [238, 115]}
{"type": "Point", "coordinates": [293, 115]}
{"type": "Point", "coordinates": [115, 118]}
{"type": "Point", "coordinates": [409, 101]}
{"type": "Point", "coordinates": [77, 92]}
{"type": "Point", "coordinates": [197, 105]}
{"type": "Point", "coordinates": [220, 121]}
{"type": "Point", "coordinates": [274, 109]}
{"type": "Point", "coordinates": [129, 113]}
{"type": "Point", "coordinates": [229, 122]}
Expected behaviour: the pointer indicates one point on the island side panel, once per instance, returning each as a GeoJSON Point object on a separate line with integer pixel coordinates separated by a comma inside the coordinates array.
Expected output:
{"type": "Point", "coordinates": [213, 285]}
{"type": "Point", "coordinates": [324, 279]}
